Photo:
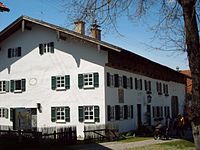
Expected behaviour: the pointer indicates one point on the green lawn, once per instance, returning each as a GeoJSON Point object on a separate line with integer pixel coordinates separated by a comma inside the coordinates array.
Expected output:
{"type": "Point", "coordinates": [134, 139]}
{"type": "Point", "coordinates": [175, 145]}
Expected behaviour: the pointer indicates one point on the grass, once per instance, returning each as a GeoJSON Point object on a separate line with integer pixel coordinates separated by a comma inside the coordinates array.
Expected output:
{"type": "Point", "coordinates": [174, 145]}
{"type": "Point", "coordinates": [134, 139]}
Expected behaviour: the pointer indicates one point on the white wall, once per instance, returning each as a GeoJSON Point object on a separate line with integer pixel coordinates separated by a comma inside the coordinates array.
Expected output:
{"type": "Point", "coordinates": [134, 97]}
{"type": "Point", "coordinates": [71, 57]}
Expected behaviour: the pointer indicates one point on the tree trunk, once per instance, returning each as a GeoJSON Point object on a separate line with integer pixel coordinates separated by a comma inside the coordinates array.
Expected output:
{"type": "Point", "coordinates": [193, 52]}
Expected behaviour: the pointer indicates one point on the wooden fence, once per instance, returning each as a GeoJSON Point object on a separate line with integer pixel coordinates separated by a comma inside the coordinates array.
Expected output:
{"type": "Point", "coordinates": [100, 133]}
{"type": "Point", "coordinates": [64, 136]}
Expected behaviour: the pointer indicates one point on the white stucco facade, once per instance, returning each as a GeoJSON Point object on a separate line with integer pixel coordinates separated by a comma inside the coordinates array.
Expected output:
{"type": "Point", "coordinates": [71, 57]}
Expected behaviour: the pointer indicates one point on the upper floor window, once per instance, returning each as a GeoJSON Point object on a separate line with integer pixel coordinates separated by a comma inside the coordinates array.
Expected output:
{"type": "Point", "coordinates": [138, 84]}
{"type": "Point", "coordinates": [4, 86]}
{"type": "Point", "coordinates": [89, 113]}
{"type": "Point", "coordinates": [165, 89]}
{"type": "Point", "coordinates": [60, 114]}
{"type": "Point", "coordinates": [147, 85]}
{"type": "Point", "coordinates": [18, 85]}
{"type": "Point", "coordinates": [88, 80]}
{"type": "Point", "coordinates": [46, 48]}
{"type": "Point", "coordinates": [119, 81]}
{"type": "Point", "coordinates": [14, 52]}
{"type": "Point", "coordinates": [60, 82]}
{"type": "Point", "coordinates": [3, 113]}
{"type": "Point", "coordinates": [159, 88]}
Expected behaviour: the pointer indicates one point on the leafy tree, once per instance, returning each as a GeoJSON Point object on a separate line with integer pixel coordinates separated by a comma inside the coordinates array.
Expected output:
{"type": "Point", "coordinates": [178, 21]}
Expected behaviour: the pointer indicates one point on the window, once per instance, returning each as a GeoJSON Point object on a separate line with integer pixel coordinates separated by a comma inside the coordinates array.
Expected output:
{"type": "Point", "coordinates": [60, 82]}
{"type": "Point", "coordinates": [46, 48]}
{"type": "Point", "coordinates": [126, 112]}
{"type": "Point", "coordinates": [147, 85]}
{"type": "Point", "coordinates": [121, 95]}
{"type": "Point", "coordinates": [117, 112]}
{"type": "Point", "coordinates": [18, 85]}
{"type": "Point", "coordinates": [89, 80]}
{"type": "Point", "coordinates": [4, 86]}
{"type": "Point", "coordinates": [60, 114]}
{"type": "Point", "coordinates": [165, 89]}
{"type": "Point", "coordinates": [167, 111]}
{"type": "Point", "coordinates": [138, 84]}
{"type": "Point", "coordinates": [159, 88]}
{"type": "Point", "coordinates": [88, 113]}
{"type": "Point", "coordinates": [14, 52]}
{"type": "Point", "coordinates": [110, 80]}
{"type": "Point", "coordinates": [3, 113]}
{"type": "Point", "coordinates": [157, 111]}
{"type": "Point", "coordinates": [130, 83]}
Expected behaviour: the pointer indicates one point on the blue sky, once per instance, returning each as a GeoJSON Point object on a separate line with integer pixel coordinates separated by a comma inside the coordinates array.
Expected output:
{"type": "Point", "coordinates": [135, 35]}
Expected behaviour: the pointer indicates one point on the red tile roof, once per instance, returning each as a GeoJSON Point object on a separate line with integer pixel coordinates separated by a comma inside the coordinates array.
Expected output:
{"type": "Point", "coordinates": [3, 7]}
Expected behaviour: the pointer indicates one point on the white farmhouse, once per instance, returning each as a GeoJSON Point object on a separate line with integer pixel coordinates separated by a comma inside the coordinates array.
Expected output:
{"type": "Point", "coordinates": [54, 77]}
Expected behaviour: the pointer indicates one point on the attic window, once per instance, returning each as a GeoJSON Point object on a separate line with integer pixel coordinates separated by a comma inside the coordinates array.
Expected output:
{"type": "Point", "coordinates": [14, 52]}
{"type": "Point", "coordinates": [46, 48]}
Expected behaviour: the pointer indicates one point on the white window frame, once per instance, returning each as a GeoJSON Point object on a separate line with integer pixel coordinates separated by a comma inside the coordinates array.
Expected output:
{"type": "Point", "coordinates": [61, 116]}
{"type": "Point", "coordinates": [60, 82]}
{"type": "Point", "coordinates": [111, 80]}
{"type": "Point", "coordinates": [17, 90]}
{"type": "Point", "coordinates": [2, 112]}
{"type": "Point", "coordinates": [90, 113]}
{"type": "Point", "coordinates": [88, 80]}
{"type": "Point", "coordinates": [2, 86]}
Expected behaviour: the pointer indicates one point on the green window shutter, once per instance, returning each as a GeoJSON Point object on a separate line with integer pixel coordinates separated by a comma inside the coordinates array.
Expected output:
{"type": "Point", "coordinates": [80, 113]}
{"type": "Point", "coordinates": [145, 85]}
{"type": "Point", "coordinates": [96, 114]}
{"type": "Point", "coordinates": [108, 79]}
{"type": "Point", "coordinates": [7, 86]}
{"type": "Point", "coordinates": [116, 79]}
{"type": "Point", "coordinates": [53, 82]}
{"type": "Point", "coordinates": [108, 112]}
{"type": "Point", "coordinates": [125, 112]}
{"type": "Point", "coordinates": [12, 85]}
{"type": "Point", "coordinates": [80, 81]}
{"type": "Point", "coordinates": [11, 114]}
{"type": "Point", "coordinates": [149, 85]}
{"type": "Point", "coordinates": [19, 51]}
{"type": "Point", "coordinates": [136, 84]}
{"type": "Point", "coordinates": [131, 82]}
{"type": "Point", "coordinates": [117, 112]}
{"type": "Point", "coordinates": [96, 79]}
{"type": "Point", "coordinates": [124, 82]}
{"type": "Point", "coordinates": [67, 114]}
{"type": "Point", "coordinates": [23, 84]}
{"type": "Point", "coordinates": [6, 113]}
{"type": "Point", "coordinates": [52, 47]}
{"type": "Point", "coordinates": [67, 82]}
{"type": "Point", "coordinates": [9, 53]}
{"type": "Point", "coordinates": [140, 84]}
{"type": "Point", "coordinates": [53, 114]}
{"type": "Point", "coordinates": [41, 49]}
{"type": "Point", "coordinates": [131, 111]}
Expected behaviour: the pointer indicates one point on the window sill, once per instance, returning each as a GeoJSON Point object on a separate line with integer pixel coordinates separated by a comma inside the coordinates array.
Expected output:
{"type": "Point", "coordinates": [17, 91]}
{"type": "Point", "coordinates": [60, 121]}
{"type": "Point", "coordinates": [60, 89]}
{"type": "Point", "coordinates": [89, 121]}
{"type": "Point", "coordinates": [3, 92]}
{"type": "Point", "coordinates": [87, 87]}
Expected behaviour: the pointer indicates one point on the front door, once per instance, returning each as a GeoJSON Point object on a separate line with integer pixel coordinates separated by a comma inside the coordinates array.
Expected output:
{"type": "Point", "coordinates": [24, 118]}
{"type": "Point", "coordinates": [149, 114]}
{"type": "Point", "coordinates": [139, 115]}
{"type": "Point", "coordinates": [174, 106]}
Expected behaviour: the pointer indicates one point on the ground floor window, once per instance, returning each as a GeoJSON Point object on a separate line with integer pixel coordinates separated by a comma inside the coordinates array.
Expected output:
{"type": "Point", "coordinates": [3, 113]}
{"type": "Point", "coordinates": [89, 113]}
{"type": "Point", "coordinates": [60, 114]}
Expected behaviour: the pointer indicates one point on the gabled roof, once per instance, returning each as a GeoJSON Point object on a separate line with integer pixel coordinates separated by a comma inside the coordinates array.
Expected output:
{"type": "Point", "coordinates": [17, 24]}
{"type": "Point", "coordinates": [124, 58]}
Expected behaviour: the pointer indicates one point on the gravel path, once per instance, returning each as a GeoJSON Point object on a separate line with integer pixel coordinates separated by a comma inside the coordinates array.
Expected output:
{"type": "Point", "coordinates": [118, 145]}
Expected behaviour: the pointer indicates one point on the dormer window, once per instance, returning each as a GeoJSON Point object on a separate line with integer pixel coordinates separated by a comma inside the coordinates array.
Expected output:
{"type": "Point", "coordinates": [14, 52]}
{"type": "Point", "coordinates": [46, 48]}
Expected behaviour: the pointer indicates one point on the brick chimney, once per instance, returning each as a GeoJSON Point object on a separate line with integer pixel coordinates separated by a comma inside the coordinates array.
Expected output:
{"type": "Point", "coordinates": [80, 27]}
{"type": "Point", "coordinates": [95, 31]}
